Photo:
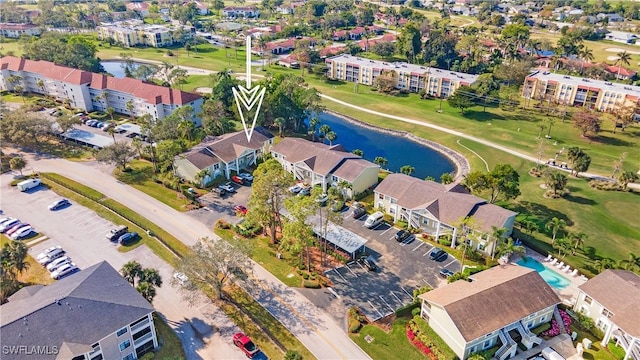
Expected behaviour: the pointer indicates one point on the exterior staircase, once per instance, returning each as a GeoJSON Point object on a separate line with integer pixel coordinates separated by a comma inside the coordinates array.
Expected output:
{"type": "Point", "coordinates": [508, 348]}
{"type": "Point", "coordinates": [529, 340]}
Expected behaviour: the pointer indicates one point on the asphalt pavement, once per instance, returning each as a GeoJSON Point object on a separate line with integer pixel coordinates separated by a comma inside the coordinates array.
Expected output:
{"type": "Point", "coordinates": [316, 329]}
{"type": "Point", "coordinates": [204, 329]}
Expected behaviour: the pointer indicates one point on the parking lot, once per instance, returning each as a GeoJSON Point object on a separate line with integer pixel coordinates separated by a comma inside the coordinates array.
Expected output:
{"type": "Point", "coordinates": [216, 207]}
{"type": "Point", "coordinates": [403, 267]}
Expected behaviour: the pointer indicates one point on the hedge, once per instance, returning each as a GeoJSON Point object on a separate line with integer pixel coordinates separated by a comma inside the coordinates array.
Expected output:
{"type": "Point", "coordinates": [433, 340]}
{"type": "Point", "coordinates": [168, 240]}
{"type": "Point", "coordinates": [311, 284]}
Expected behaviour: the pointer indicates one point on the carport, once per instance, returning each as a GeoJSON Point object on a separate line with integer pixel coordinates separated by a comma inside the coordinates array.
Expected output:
{"type": "Point", "coordinates": [87, 138]}
{"type": "Point", "coordinates": [346, 240]}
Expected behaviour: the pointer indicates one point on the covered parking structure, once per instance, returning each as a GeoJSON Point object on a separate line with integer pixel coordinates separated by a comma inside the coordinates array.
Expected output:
{"type": "Point", "coordinates": [344, 239]}
{"type": "Point", "coordinates": [87, 138]}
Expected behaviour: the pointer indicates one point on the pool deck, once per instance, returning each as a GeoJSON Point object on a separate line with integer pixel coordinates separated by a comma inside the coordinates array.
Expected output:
{"type": "Point", "coordinates": [570, 293]}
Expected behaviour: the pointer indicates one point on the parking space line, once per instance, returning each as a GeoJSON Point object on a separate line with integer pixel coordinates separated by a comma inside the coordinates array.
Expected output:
{"type": "Point", "coordinates": [386, 303]}
{"type": "Point", "coordinates": [406, 292]}
{"type": "Point", "coordinates": [417, 247]}
{"type": "Point", "coordinates": [426, 282]}
{"type": "Point", "coordinates": [390, 227]}
{"type": "Point", "coordinates": [342, 277]}
{"type": "Point", "coordinates": [428, 251]}
{"type": "Point", "coordinates": [449, 263]}
{"type": "Point", "coordinates": [377, 226]}
{"type": "Point", "coordinates": [396, 296]}
{"type": "Point", "coordinates": [374, 308]}
{"type": "Point", "coordinates": [79, 218]}
{"type": "Point", "coordinates": [353, 272]}
{"type": "Point", "coordinates": [73, 213]}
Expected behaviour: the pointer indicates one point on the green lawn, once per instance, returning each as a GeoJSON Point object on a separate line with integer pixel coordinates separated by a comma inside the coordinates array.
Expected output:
{"type": "Point", "coordinates": [265, 255]}
{"type": "Point", "coordinates": [141, 177]}
{"type": "Point", "coordinates": [170, 344]}
{"type": "Point", "coordinates": [388, 345]}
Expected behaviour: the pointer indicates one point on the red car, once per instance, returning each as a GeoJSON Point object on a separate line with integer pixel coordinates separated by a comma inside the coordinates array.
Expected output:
{"type": "Point", "coordinates": [15, 228]}
{"type": "Point", "coordinates": [245, 344]}
{"type": "Point", "coordinates": [240, 209]}
{"type": "Point", "coordinates": [237, 179]}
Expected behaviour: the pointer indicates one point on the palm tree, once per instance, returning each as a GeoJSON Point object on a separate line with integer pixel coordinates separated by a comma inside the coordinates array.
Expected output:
{"type": "Point", "coordinates": [110, 111]}
{"type": "Point", "coordinates": [623, 59]}
{"type": "Point", "coordinates": [626, 177]}
{"type": "Point", "coordinates": [136, 143]}
{"type": "Point", "coordinates": [407, 169]}
{"type": "Point", "coordinates": [358, 152]}
{"type": "Point", "coordinates": [509, 248]}
{"type": "Point", "coordinates": [603, 264]}
{"type": "Point", "coordinates": [555, 225]}
{"type": "Point", "coordinates": [578, 240]}
{"type": "Point", "coordinates": [323, 130]}
{"type": "Point", "coordinates": [186, 128]}
{"type": "Point", "coordinates": [313, 124]}
{"type": "Point", "coordinates": [18, 89]}
{"type": "Point", "coordinates": [632, 263]}
{"type": "Point", "coordinates": [111, 130]}
{"type": "Point", "coordinates": [331, 136]}
{"type": "Point", "coordinates": [280, 122]}
{"type": "Point", "coordinates": [151, 276]}
{"type": "Point", "coordinates": [380, 161]}
{"type": "Point", "coordinates": [555, 181]}
{"type": "Point", "coordinates": [586, 55]}
{"type": "Point", "coordinates": [17, 256]}
{"type": "Point", "coordinates": [147, 291]}
{"type": "Point", "coordinates": [129, 106]}
{"type": "Point", "coordinates": [130, 271]}
{"type": "Point", "coordinates": [40, 84]}
{"type": "Point", "coordinates": [563, 246]}
{"type": "Point", "coordinates": [202, 175]}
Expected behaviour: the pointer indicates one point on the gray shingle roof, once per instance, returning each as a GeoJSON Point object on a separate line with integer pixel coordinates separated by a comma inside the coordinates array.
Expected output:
{"type": "Point", "coordinates": [495, 298]}
{"type": "Point", "coordinates": [80, 309]}
{"type": "Point", "coordinates": [350, 169]}
{"type": "Point", "coordinates": [619, 292]}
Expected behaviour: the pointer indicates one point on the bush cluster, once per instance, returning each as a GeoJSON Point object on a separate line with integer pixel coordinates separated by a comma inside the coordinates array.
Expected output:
{"type": "Point", "coordinates": [607, 185]}
{"type": "Point", "coordinates": [356, 320]}
{"type": "Point", "coordinates": [439, 349]}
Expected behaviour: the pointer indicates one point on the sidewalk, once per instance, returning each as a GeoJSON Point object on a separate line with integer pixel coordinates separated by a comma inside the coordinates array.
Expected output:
{"type": "Point", "coordinates": [312, 326]}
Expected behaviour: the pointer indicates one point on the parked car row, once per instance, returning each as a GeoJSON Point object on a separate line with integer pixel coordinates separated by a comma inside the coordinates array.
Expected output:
{"type": "Point", "coordinates": [57, 262]}
{"type": "Point", "coordinates": [16, 229]}
{"type": "Point", "coordinates": [122, 235]}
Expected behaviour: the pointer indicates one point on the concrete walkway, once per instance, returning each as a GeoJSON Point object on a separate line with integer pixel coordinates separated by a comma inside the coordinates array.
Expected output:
{"type": "Point", "coordinates": [313, 327]}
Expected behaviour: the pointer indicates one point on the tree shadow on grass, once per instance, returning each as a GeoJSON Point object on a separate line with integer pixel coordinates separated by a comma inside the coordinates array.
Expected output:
{"type": "Point", "coordinates": [579, 200]}
{"type": "Point", "coordinates": [540, 211]}
{"type": "Point", "coordinates": [606, 140]}
{"type": "Point", "coordinates": [481, 116]}
{"type": "Point", "coordinates": [136, 176]}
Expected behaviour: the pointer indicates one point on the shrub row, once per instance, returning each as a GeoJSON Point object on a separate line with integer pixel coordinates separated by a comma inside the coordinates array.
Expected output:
{"type": "Point", "coordinates": [173, 244]}
{"type": "Point", "coordinates": [427, 336]}
{"type": "Point", "coordinates": [607, 185]}
{"type": "Point", "coordinates": [311, 284]}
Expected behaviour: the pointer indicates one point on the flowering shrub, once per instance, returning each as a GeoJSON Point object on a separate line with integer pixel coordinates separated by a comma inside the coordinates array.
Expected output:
{"type": "Point", "coordinates": [419, 344]}
{"type": "Point", "coordinates": [555, 328]}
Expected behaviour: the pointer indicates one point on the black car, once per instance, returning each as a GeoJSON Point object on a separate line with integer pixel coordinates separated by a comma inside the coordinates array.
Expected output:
{"type": "Point", "coordinates": [128, 238]}
{"type": "Point", "coordinates": [446, 273]}
{"type": "Point", "coordinates": [438, 255]}
{"type": "Point", "coordinates": [358, 212]}
{"type": "Point", "coordinates": [368, 262]}
{"type": "Point", "coordinates": [403, 235]}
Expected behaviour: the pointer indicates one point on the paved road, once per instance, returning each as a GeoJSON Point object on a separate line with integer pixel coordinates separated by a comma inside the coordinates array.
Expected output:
{"type": "Point", "coordinates": [312, 326]}
{"type": "Point", "coordinates": [462, 135]}
{"type": "Point", "coordinates": [204, 329]}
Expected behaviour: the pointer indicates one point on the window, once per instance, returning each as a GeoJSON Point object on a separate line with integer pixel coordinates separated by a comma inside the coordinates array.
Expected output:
{"type": "Point", "coordinates": [125, 344]}
{"type": "Point", "coordinates": [142, 333]}
{"type": "Point", "coordinates": [486, 345]}
{"type": "Point", "coordinates": [121, 332]}
{"type": "Point", "coordinates": [588, 299]}
{"type": "Point", "coordinates": [146, 318]}
{"type": "Point", "coordinates": [607, 313]}
{"type": "Point", "coordinates": [543, 319]}
{"type": "Point", "coordinates": [129, 357]}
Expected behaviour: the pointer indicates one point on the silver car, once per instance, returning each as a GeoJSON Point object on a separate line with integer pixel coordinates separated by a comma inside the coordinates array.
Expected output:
{"type": "Point", "coordinates": [55, 264]}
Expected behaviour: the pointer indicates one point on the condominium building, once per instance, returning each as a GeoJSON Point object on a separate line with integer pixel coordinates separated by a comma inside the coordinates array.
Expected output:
{"type": "Point", "coordinates": [133, 34]}
{"type": "Point", "coordinates": [576, 91]}
{"type": "Point", "coordinates": [94, 314]}
{"type": "Point", "coordinates": [16, 30]}
{"type": "Point", "coordinates": [411, 77]}
{"type": "Point", "coordinates": [91, 91]}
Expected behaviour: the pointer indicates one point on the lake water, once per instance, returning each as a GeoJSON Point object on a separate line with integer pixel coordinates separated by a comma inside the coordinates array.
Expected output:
{"type": "Point", "coordinates": [398, 150]}
{"type": "Point", "coordinates": [115, 68]}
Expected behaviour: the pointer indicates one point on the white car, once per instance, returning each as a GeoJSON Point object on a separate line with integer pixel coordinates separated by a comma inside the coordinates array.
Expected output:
{"type": "Point", "coordinates": [22, 233]}
{"type": "Point", "coordinates": [3, 220]}
{"type": "Point", "coordinates": [295, 188]}
{"type": "Point", "coordinates": [8, 224]}
{"type": "Point", "coordinates": [55, 264]}
{"type": "Point", "coordinates": [63, 270]}
{"type": "Point", "coordinates": [181, 278]}
{"type": "Point", "coordinates": [50, 254]}
{"type": "Point", "coordinates": [246, 176]}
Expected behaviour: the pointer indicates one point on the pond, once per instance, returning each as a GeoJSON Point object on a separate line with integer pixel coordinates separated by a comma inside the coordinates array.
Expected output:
{"type": "Point", "coordinates": [398, 150]}
{"type": "Point", "coordinates": [115, 68]}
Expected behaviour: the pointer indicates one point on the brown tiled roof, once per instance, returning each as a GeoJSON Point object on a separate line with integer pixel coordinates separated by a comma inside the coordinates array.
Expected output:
{"type": "Point", "coordinates": [350, 169]}
{"type": "Point", "coordinates": [448, 204]}
{"type": "Point", "coordinates": [137, 6]}
{"type": "Point", "coordinates": [619, 292]}
{"type": "Point", "coordinates": [154, 94]}
{"type": "Point", "coordinates": [10, 26]}
{"type": "Point", "coordinates": [226, 148]}
{"type": "Point", "coordinates": [321, 158]}
{"type": "Point", "coordinates": [494, 299]}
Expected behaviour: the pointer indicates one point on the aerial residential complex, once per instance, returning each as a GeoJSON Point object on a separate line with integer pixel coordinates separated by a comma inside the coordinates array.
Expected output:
{"type": "Point", "coordinates": [16, 30]}
{"type": "Point", "coordinates": [410, 77]}
{"type": "Point", "coordinates": [94, 314]}
{"type": "Point", "coordinates": [133, 34]}
{"type": "Point", "coordinates": [91, 91]}
{"type": "Point", "coordinates": [576, 91]}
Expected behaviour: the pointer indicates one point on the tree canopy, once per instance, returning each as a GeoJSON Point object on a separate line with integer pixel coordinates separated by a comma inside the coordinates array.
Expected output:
{"type": "Point", "coordinates": [72, 51]}
{"type": "Point", "coordinates": [503, 181]}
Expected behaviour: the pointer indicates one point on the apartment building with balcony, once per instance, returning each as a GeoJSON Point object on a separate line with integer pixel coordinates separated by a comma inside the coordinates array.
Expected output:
{"type": "Point", "coordinates": [132, 34]}
{"type": "Point", "coordinates": [580, 92]}
{"type": "Point", "coordinates": [92, 315]}
{"type": "Point", "coordinates": [493, 308]}
{"type": "Point", "coordinates": [410, 77]}
{"type": "Point", "coordinates": [612, 300]}
{"type": "Point", "coordinates": [91, 91]}
{"type": "Point", "coordinates": [14, 31]}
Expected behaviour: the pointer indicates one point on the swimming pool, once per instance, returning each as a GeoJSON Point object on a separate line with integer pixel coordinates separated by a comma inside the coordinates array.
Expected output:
{"type": "Point", "coordinates": [551, 277]}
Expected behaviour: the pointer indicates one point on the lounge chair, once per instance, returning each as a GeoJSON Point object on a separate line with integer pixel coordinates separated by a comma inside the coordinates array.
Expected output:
{"type": "Point", "coordinates": [559, 266]}
{"type": "Point", "coordinates": [554, 261]}
{"type": "Point", "coordinates": [567, 268]}
{"type": "Point", "coordinates": [574, 272]}
{"type": "Point", "coordinates": [549, 257]}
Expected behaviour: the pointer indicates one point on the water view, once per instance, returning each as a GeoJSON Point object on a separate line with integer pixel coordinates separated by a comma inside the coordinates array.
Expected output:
{"type": "Point", "coordinates": [398, 150]}
{"type": "Point", "coordinates": [115, 68]}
